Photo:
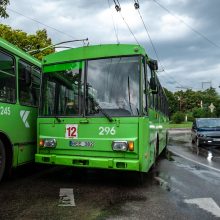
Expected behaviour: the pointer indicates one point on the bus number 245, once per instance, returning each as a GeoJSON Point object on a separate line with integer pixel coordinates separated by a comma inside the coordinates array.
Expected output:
{"type": "Point", "coordinates": [5, 110]}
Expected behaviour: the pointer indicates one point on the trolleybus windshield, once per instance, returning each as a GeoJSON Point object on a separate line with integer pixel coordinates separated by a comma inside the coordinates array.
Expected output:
{"type": "Point", "coordinates": [111, 83]}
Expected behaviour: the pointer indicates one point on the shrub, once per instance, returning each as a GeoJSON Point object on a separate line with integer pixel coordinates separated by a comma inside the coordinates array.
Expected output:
{"type": "Point", "coordinates": [178, 117]}
{"type": "Point", "coordinates": [203, 113]}
{"type": "Point", "coordinates": [190, 117]}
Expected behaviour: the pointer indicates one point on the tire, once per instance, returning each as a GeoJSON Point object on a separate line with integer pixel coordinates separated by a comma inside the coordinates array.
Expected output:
{"type": "Point", "coordinates": [193, 141]}
{"type": "Point", "coordinates": [2, 159]}
{"type": "Point", "coordinates": [155, 154]}
{"type": "Point", "coordinates": [164, 153]}
{"type": "Point", "coordinates": [197, 142]}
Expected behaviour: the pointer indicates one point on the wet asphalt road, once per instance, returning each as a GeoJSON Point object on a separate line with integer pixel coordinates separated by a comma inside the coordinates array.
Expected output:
{"type": "Point", "coordinates": [184, 186]}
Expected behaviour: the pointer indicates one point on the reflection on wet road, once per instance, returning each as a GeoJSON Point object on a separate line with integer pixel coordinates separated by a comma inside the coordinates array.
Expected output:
{"type": "Point", "coordinates": [180, 187]}
{"type": "Point", "coordinates": [180, 144]}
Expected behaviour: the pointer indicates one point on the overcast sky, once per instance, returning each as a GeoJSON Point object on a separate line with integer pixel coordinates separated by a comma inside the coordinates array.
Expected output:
{"type": "Point", "coordinates": [186, 37]}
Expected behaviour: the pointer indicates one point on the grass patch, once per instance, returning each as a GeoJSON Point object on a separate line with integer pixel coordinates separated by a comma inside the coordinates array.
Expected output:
{"type": "Point", "coordinates": [181, 125]}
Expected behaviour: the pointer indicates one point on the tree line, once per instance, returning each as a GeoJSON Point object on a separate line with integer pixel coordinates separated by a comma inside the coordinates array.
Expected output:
{"type": "Point", "coordinates": [193, 104]}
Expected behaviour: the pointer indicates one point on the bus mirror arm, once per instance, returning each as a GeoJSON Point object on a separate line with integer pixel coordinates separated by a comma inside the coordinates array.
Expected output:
{"type": "Point", "coordinates": [153, 86]}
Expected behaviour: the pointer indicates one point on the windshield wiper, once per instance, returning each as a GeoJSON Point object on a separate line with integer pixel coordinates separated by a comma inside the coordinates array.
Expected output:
{"type": "Point", "coordinates": [129, 96]}
{"type": "Point", "coordinates": [58, 119]}
{"type": "Point", "coordinates": [101, 109]}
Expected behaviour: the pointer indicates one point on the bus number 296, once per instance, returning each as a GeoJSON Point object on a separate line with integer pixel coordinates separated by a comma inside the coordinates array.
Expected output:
{"type": "Point", "coordinates": [106, 131]}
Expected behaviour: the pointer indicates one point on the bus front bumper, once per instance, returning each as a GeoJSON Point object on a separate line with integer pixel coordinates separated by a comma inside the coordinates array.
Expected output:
{"type": "Point", "coordinates": [89, 162]}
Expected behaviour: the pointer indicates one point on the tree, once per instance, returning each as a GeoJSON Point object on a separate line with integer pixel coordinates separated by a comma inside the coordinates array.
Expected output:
{"type": "Point", "coordinates": [194, 103]}
{"type": "Point", "coordinates": [172, 101]}
{"type": "Point", "coordinates": [27, 42]}
{"type": "Point", "coordinates": [3, 5]}
{"type": "Point", "coordinates": [178, 117]}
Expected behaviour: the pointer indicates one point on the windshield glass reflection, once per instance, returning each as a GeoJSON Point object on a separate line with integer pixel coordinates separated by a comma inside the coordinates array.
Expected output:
{"type": "Point", "coordinates": [61, 94]}
{"type": "Point", "coordinates": [114, 84]}
{"type": "Point", "coordinates": [209, 123]}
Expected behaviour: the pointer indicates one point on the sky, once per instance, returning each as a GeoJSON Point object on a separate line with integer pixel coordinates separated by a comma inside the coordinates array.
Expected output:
{"type": "Point", "coordinates": [184, 33]}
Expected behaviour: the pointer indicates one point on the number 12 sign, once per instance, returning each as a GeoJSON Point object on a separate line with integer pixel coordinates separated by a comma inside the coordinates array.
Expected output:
{"type": "Point", "coordinates": [71, 131]}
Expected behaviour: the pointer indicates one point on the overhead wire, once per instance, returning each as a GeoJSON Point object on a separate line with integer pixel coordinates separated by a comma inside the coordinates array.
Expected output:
{"type": "Point", "coordinates": [137, 7]}
{"type": "Point", "coordinates": [116, 33]}
{"type": "Point", "coordinates": [186, 24]}
{"type": "Point", "coordinates": [39, 22]}
{"type": "Point", "coordinates": [118, 9]}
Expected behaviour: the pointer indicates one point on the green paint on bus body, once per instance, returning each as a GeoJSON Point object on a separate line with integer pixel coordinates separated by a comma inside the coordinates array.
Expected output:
{"type": "Point", "coordinates": [85, 137]}
{"type": "Point", "coordinates": [18, 107]}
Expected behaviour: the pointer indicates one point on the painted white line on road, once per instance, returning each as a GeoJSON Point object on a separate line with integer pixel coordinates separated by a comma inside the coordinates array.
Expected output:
{"type": "Point", "coordinates": [180, 155]}
{"type": "Point", "coordinates": [66, 197]}
{"type": "Point", "coordinates": [207, 204]}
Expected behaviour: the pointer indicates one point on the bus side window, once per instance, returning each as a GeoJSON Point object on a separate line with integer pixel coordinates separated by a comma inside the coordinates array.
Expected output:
{"type": "Point", "coordinates": [7, 78]}
{"type": "Point", "coordinates": [35, 88]}
{"type": "Point", "coordinates": [150, 97]}
{"type": "Point", "coordinates": [144, 79]}
{"type": "Point", "coordinates": [29, 84]}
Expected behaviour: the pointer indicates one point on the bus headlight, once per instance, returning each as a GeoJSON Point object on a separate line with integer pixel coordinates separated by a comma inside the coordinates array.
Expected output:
{"type": "Point", "coordinates": [48, 143]}
{"type": "Point", "coordinates": [120, 145]}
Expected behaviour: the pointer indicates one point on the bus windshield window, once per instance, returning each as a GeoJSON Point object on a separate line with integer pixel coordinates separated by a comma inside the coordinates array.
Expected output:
{"type": "Point", "coordinates": [113, 84]}
{"type": "Point", "coordinates": [60, 95]}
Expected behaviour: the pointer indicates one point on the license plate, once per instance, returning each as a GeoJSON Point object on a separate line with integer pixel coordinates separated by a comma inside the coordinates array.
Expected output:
{"type": "Point", "coordinates": [81, 144]}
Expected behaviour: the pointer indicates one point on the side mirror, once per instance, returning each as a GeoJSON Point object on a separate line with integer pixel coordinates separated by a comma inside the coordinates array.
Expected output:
{"type": "Point", "coordinates": [153, 86]}
{"type": "Point", "coordinates": [153, 64]}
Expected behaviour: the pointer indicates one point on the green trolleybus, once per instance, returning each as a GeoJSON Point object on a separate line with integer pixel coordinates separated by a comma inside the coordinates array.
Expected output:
{"type": "Point", "coordinates": [20, 78]}
{"type": "Point", "coordinates": [101, 107]}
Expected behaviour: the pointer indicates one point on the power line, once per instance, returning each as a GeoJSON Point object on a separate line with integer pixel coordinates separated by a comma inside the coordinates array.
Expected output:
{"type": "Point", "coordinates": [118, 9]}
{"type": "Point", "coordinates": [189, 26]}
{"type": "Point", "coordinates": [39, 22]}
{"type": "Point", "coordinates": [116, 33]}
{"type": "Point", "coordinates": [137, 7]}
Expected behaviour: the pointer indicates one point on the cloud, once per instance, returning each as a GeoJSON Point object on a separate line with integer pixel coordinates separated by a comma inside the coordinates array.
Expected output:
{"type": "Point", "coordinates": [187, 56]}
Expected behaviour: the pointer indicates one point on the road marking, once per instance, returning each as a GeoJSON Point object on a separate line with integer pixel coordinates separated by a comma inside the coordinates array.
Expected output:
{"type": "Point", "coordinates": [212, 168]}
{"type": "Point", "coordinates": [207, 204]}
{"type": "Point", "coordinates": [66, 197]}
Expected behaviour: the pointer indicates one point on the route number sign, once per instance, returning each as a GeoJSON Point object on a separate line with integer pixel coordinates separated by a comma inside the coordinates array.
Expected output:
{"type": "Point", "coordinates": [71, 131]}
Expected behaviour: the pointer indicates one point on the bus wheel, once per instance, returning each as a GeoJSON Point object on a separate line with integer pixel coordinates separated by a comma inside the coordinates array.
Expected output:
{"type": "Point", "coordinates": [2, 159]}
{"type": "Point", "coordinates": [155, 154]}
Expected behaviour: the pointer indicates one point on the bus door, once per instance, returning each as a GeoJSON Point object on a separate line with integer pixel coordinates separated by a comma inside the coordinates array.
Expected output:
{"type": "Point", "coordinates": [26, 111]}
